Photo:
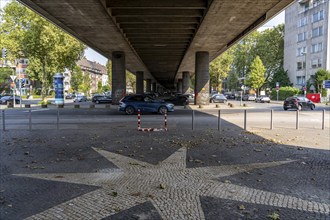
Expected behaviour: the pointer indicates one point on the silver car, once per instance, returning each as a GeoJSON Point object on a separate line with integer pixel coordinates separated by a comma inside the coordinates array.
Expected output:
{"type": "Point", "coordinates": [263, 98]}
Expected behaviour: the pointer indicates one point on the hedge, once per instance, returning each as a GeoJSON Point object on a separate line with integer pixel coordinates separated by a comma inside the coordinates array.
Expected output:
{"type": "Point", "coordinates": [285, 92]}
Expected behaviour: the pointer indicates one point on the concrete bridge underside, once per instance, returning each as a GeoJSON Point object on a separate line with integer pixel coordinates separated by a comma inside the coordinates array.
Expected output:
{"type": "Point", "coordinates": [159, 38]}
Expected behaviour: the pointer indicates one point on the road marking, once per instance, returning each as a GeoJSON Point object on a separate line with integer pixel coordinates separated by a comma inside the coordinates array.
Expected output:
{"type": "Point", "coordinates": [38, 110]}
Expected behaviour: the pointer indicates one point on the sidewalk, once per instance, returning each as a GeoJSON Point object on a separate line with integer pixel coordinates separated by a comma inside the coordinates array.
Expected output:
{"type": "Point", "coordinates": [114, 172]}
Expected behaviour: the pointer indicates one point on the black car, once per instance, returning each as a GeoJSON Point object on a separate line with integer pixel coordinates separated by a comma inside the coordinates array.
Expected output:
{"type": "Point", "coordinates": [218, 98]}
{"type": "Point", "coordinates": [178, 100]}
{"type": "Point", "coordinates": [101, 99]}
{"type": "Point", "coordinates": [9, 98]}
{"type": "Point", "coordinates": [298, 103]}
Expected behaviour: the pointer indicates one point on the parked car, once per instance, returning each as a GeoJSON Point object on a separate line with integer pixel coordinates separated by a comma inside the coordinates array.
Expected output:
{"type": "Point", "coordinates": [230, 95]}
{"type": "Point", "coordinates": [263, 98]}
{"type": "Point", "coordinates": [178, 100]}
{"type": "Point", "coordinates": [218, 98]}
{"type": "Point", "coordinates": [70, 96]}
{"type": "Point", "coordinates": [101, 99]}
{"type": "Point", "coordinates": [9, 98]}
{"type": "Point", "coordinates": [80, 98]}
{"type": "Point", "coordinates": [249, 97]}
{"type": "Point", "coordinates": [131, 103]}
{"type": "Point", "coordinates": [298, 103]}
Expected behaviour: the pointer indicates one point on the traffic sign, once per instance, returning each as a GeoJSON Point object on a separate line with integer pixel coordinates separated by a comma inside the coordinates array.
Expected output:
{"type": "Point", "coordinates": [13, 77]}
{"type": "Point", "coordinates": [326, 84]}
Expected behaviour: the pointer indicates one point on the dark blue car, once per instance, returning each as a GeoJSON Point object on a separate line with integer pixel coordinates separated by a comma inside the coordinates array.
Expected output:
{"type": "Point", "coordinates": [131, 103]}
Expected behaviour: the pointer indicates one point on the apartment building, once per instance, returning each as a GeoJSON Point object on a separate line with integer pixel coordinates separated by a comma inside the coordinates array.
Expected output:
{"type": "Point", "coordinates": [306, 41]}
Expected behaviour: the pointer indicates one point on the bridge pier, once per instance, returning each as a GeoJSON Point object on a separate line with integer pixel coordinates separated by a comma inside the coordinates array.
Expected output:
{"type": "Point", "coordinates": [154, 87]}
{"type": "Point", "coordinates": [185, 82]}
{"type": "Point", "coordinates": [179, 86]}
{"type": "Point", "coordinates": [202, 78]}
{"type": "Point", "coordinates": [139, 82]}
{"type": "Point", "coordinates": [118, 76]}
{"type": "Point", "coordinates": [148, 85]}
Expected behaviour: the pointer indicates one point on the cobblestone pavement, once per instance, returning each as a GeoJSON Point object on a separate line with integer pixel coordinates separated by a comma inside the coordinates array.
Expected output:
{"type": "Point", "coordinates": [116, 172]}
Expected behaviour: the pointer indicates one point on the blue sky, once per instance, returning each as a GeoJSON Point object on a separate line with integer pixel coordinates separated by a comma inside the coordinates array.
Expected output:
{"type": "Point", "coordinates": [94, 56]}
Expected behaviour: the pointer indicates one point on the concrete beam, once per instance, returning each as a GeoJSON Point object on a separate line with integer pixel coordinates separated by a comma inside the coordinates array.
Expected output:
{"type": "Point", "coordinates": [118, 76]}
{"type": "Point", "coordinates": [139, 82]}
{"type": "Point", "coordinates": [202, 78]}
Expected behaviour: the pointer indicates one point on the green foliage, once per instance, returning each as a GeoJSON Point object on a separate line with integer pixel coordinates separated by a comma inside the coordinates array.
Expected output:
{"type": "Point", "coordinates": [280, 76]}
{"type": "Point", "coordinates": [233, 83]}
{"type": "Point", "coordinates": [219, 69]}
{"type": "Point", "coordinates": [256, 77]}
{"type": "Point", "coordinates": [268, 45]}
{"type": "Point", "coordinates": [320, 76]}
{"type": "Point", "coordinates": [131, 80]}
{"type": "Point", "coordinates": [5, 79]}
{"type": "Point", "coordinates": [109, 71]}
{"type": "Point", "coordinates": [48, 49]}
{"type": "Point", "coordinates": [85, 86]}
{"type": "Point", "coordinates": [285, 92]}
{"type": "Point", "coordinates": [76, 78]}
{"type": "Point", "coordinates": [106, 88]}
{"type": "Point", "coordinates": [99, 86]}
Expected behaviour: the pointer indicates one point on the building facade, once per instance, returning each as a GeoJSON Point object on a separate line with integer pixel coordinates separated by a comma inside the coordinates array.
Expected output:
{"type": "Point", "coordinates": [306, 41]}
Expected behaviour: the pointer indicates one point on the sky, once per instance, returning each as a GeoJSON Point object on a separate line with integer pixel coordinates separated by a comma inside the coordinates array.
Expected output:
{"type": "Point", "coordinates": [94, 56]}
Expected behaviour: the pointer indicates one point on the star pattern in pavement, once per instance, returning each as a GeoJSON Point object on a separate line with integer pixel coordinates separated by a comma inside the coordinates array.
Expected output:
{"type": "Point", "coordinates": [173, 189]}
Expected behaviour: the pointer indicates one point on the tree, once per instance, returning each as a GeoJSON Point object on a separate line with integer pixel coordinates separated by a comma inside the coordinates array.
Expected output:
{"type": "Point", "coordinates": [48, 49]}
{"type": "Point", "coordinates": [99, 86]}
{"type": "Point", "coordinates": [85, 86]}
{"type": "Point", "coordinates": [109, 71]}
{"type": "Point", "coordinates": [5, 80]}
{"type": "Point", "coordinates": [131, 81]}
{"type": "Point", "coordinates": [233, 82]}
{"type": "Point", "coordinates": [270, 48]}
{"type": "Point", "coordinates": [320, 76]}
{"type": "Point", "coordinates": [219, 69]}
{"type": "Point", "coordinates": [76, 78]}
{"type": "Point", "coordinates": [280, 76]}
{"type": "Point", "coordinates": [256, 76]}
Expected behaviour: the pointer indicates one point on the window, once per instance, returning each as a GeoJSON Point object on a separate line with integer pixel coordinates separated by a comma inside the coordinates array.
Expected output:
{"type": "Point", "coordinates": [318, 16]}
{"type": "Point", "coordinates": [300, 80]}
{"type": "Point", "coordinates": [316, 32]}
{"type": "Point", "coordinates": [302, 22]}
{"type": "Point", "coordinates": [317, 47]}
{"type": "Point", "coordinates": [301, 51]}
{"type": "Point", "coordinates": [316, 63]}
{"type": "Point", "coordinates": [301, 65]}
{"type": "Point", "coordinates": [302, 36]}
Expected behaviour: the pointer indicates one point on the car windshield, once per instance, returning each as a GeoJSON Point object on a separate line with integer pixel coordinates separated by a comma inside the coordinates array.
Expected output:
{"type": "Point", "coordinates": [6, 97]}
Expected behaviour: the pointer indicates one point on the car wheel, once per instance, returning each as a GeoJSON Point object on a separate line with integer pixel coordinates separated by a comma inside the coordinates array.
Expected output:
{"type": "Point", "coordinates": [129, 110]}
{"type": "Point", "coordinates": [162, 110]}
{"type": "Point", "coordinates": [97, 102]}
{"type": "Point", "coordinates": [312, 107]}
{"type": "Point", "coordinates": [285, 109]}
{"type": "Point", "coordinates": [299, 107]}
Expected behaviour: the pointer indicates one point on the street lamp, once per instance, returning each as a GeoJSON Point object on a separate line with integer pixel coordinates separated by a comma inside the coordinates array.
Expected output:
{"type": "Point", "coordinates": [305, 82]}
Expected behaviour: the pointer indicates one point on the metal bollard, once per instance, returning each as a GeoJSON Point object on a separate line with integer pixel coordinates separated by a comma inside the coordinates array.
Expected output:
{"type": "Point", "coordinates": [323, 119]}
{"type": "Point", "coordinates": [3, 120]}
{"type": "Point", "coordinates": [297, 119]}
{"type": "Point", "coordinates": [271, 119]}
{"type": "Point", "coordinates": [219, 121]}
{"type": "Point", "coordinates": [244, 119]}
{"type": "Point", "coordinates": [58, 119]}
{"type": "Point", "coordinates": [30, 120]}
{"type": "Point", "coordinates": [193, 120]}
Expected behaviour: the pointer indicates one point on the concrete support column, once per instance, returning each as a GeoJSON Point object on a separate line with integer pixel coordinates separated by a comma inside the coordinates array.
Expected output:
{"type": "Point", "coordinates": [154, 87]}
{"type": "Point", "coordinates": [148, 89]}
{"type": "Point", "coordinates": [118, 76]}
{"type": "Point", "coordinates": [139, 82]}
{"type": "Point", "coordinates": [185, 82]}
{"type": "Point", "coordinates": [202, 78]}
{"type": "Point", "coordinates": [179, 86]}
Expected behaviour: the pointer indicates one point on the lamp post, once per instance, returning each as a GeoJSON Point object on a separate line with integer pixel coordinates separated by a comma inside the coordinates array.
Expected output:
{"type": "Point", "coordinates": [305, 82]}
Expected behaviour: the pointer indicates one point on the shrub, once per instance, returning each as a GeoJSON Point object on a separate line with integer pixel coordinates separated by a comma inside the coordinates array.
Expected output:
{"type": "Point", "coordinates": [285, 92]}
